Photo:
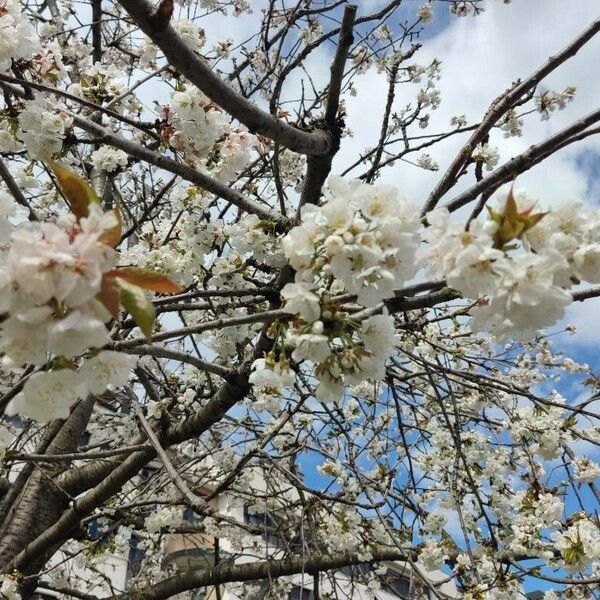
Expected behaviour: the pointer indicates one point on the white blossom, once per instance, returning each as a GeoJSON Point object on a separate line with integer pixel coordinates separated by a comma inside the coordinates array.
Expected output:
{"type": "Point", "coordinates": [18, 39]}
{"type": "Point", "coordinates": [107, 368]}
{"type": "Point", "coordinates": [48, 395]}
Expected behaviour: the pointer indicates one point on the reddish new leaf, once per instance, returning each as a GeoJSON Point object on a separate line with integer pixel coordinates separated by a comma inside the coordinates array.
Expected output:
{"type": "Point", "coordinates": [109, 294]}
{"type": "Point", "coordinates": [112, 236]}
{"type": "Point", "coordinates": [147, 279]}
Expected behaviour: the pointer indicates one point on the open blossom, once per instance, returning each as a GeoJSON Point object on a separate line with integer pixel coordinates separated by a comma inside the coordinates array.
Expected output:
{"type": "Point", "coordinates": [467, 259]}
{"type": "Point", "coordinates": [544, 429]}
{"type": "Point", "coordinates": [579, 544]}
{"type": "Point", "coordinates": [269, 374]}
{"type": "Point", "coordinates": [234, 154]}
{"type": "Point", "coordinates": [426, 162]}
{"type": "Point", "coordinates": [194, 124]}
{"type": "Point", "coordinates": [311, 32]}
{"type": "Point", "coordinates": [163, 519]}
{"type": "Point", "coordinates": [526, 299]}
{"type": "Point", "coordinates": [573, 230]}
{"type": "Point", "coordinates": [76, 332]}
{"type": "Point", "coordinates": [8, 209]}
{"type": "Point", "coordinates": [549, 101]}
{"type": "Point", "coordinates": [432, 555]}
{"type": "Point", "coordinates": [425, 13]}
{"type": "Point", "coordinates": [378, 334]}
{"type": "Point", "coordinates": [106, 368]}
{"type": "Point", "coordinates": [48, 63]}
{"type": "Point", "coordinates": [48, 261]}
{"type": "Point", "coordinates": [197, 127]}
{"type": "Point", "coordinates": [192, 35]}
{"type": "Point", "coordinates": [586, 262]}
{"type": "Point", "coordinates": [49, 280]}
{"type": "Point", "coordinates": [43, 128]}
{"type": "Point", "coordinates": [488, 155]}
{"type": "Point", "coordinates": [310, 346]}
{"type": "Point", "coordinates": [47, 396]}
{"type": "Point", "coordinates": [523, 287]}
{"type": "Point", "coordinates": [300, 300]}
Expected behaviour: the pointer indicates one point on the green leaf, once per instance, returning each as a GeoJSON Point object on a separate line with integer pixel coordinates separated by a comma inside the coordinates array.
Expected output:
{"type": "Point", "coordinates": [512, 224]}
{"type": "Point", "coordinates": [138, 305]}
{"type": "Point", "coordinates": [77, 191]}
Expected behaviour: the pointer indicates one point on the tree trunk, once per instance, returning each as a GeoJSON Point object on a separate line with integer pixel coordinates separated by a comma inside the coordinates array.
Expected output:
{"type": "Point", "coordinates": [40, 503]}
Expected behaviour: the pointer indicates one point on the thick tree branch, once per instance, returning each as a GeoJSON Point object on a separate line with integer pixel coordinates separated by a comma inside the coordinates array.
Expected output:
{"type": "Point", "coordinates": [254, 571]}
{"type": "Point", "coordinates": [319, 167]}
{"type": "Point", "coordinates": [192, 66]}
{"type": "Point", "coordinates": [206, 182]}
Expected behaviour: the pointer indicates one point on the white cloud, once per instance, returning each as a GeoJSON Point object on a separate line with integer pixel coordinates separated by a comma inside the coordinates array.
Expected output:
{"type": "Point", "coordinates": [480, 58]}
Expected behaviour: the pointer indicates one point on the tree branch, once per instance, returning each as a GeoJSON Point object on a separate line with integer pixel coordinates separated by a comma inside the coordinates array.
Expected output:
{"type": "Point", "coordinates": [522, 162]}
{"type": "Point", "coordinates": [499, 106]}
{"type": "Point", "coordinates": [319, 167]}
{"type": "Point", "coordinates": [140, 152]}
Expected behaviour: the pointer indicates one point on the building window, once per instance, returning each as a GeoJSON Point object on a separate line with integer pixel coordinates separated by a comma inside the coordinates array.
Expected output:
{"type": "Point", "coordinates": [399, 587]}
{"type": "Point", "coordinates": [135, 558]}
{"type": "Point", "coordinates": [266, 523]}
{"type": "Point", "coordinates": [356, 572]}
{"type": "Point", "coordinates": [260, 519]}
{"type": "Point", "coordinates": [189, 515]}
{"type": "Point", "coordinates": [301, 593]}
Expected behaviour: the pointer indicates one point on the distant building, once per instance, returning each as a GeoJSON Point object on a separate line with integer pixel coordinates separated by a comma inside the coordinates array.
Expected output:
{"type": "Point", "coordinates": [196, 551]}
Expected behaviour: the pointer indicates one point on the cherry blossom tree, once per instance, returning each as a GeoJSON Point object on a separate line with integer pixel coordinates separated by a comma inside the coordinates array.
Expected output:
{"type": "Point", "coordinates": [191, 293]}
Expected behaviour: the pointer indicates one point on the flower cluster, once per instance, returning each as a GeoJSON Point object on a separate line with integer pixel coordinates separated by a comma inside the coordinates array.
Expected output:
{"type": "Point", "coordinates": [51, 275]}
{"type": "Point", "coordinates": [579, 542]}
{"type": "Point", "coordinates": [425, 13]}
{"type": "Point", "coordinates": [109, 159]}
{"type": "Point", "coordinates": [362, 240]}
{"type": "Point", "coordinates": [9, 588]}
{"type": "Point", "coordinates": [43, 128]}
{"type": "Point", "coordinates": [518, 264]}
{"type": "Point", "coordinates": [18, 39]}
{"type": "Point", "coordinates": [49, 282]}
{"type": "Point", "coordinates": [343, 351]}
{"type": "Point", "coordinates": [586, 470]}
{"type": "Point", "coordinates": [193, 122]}
{"type": "Point", "coordinates": [549, 101]}
{"type": "Point", "coordinates": [190, 33]}
{"type": "Point", "coordinates": [50, 394]}
{"type": "Point", "coordinates": [364, 237]}
{"type": "Point", "coordinates": [487, 155]}
{"type": "Point", "coordinates": [200, 130]}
